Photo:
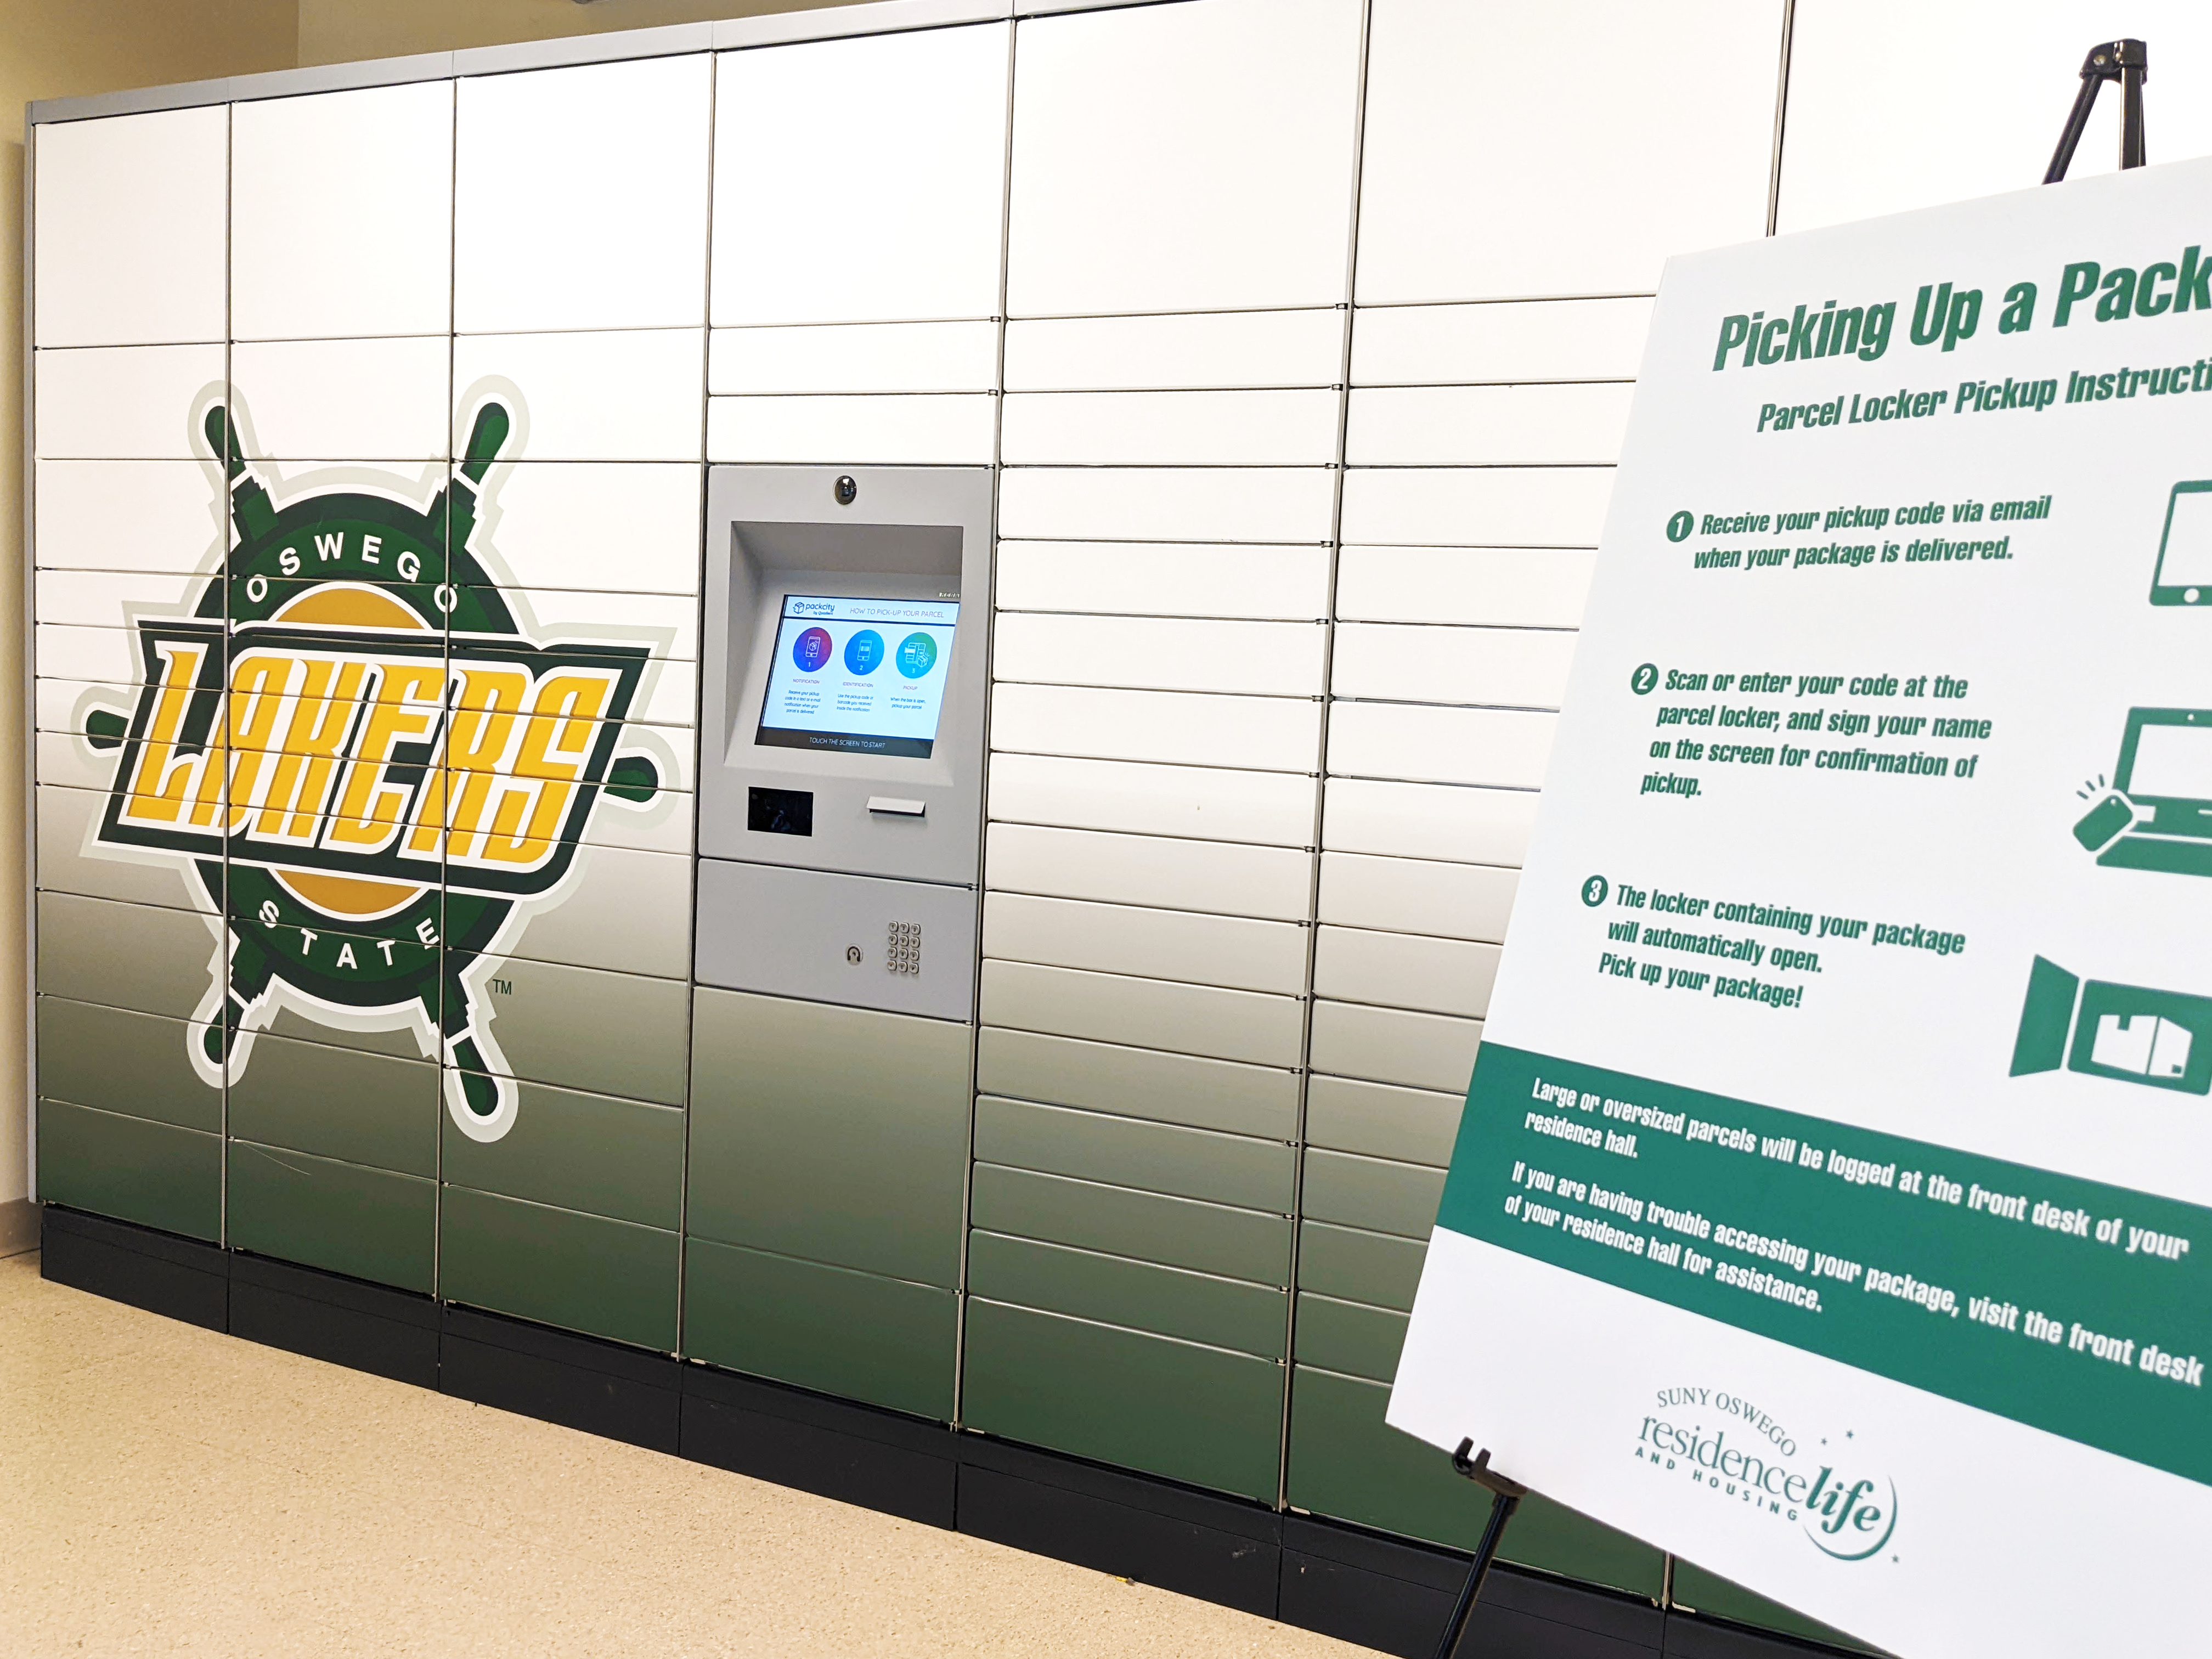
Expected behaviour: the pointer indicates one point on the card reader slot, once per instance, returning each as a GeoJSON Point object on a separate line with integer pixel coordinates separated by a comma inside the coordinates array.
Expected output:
{"type": "Point", "coordinates": [779, 811]}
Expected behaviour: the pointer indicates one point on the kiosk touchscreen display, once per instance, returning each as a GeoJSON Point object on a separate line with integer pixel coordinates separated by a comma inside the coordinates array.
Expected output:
{"type": "Point", "coordinates": [862, 676]}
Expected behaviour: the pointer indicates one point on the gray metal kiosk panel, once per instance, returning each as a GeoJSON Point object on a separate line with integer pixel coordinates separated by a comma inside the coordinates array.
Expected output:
{"type": "Point", "coordinates": [884, 1340]}
{"type": "Point", "coordinates": [1353, 1264]}
{"type": "Point", "coordinates": [1378, 1119]}
{"type": "Point", "coordinates": [912, 535]}
{"type": "Point", "coordinates": [548, 1024]}
{"type": "Point", "coordinates": [1192, 1413]}
{"type": "Point", "coordinates": [1149, 1083]}
{"type": "Point", "coordinates": [115, 1061]}
{"type": "Point", "coordinates": [1349, 1337]}
{"type": "Point", "coordinates": [370, 1109]}
{"type": "Point", "coordinates": [140, 957]}
{"type": "Point", "coordinates": [908, 947]}
{"type": "Point", "coordinates": [1159, 1158]}
{"type": "Point", "coordinates": [839, 1135]}
{"type": "Point", "coordinates": [1371, 1193]}
{"type": "Point", "coordinates": [155, 1174]}
{"type": "Point", "coordinates": [572, 1151]}
{"type": "Point", "coordinates": [1144, 1296]}
{"type": "Point", "coordinates": [1154, 1227]}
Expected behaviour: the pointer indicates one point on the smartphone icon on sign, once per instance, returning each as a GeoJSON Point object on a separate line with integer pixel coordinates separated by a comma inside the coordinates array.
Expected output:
{"type": "Point", "coordinates": [2185, 552]}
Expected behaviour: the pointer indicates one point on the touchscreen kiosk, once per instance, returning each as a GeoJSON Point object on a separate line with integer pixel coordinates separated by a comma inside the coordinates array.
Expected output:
{"type": "Point", "coordinates": [865, 676]}
{"type": "Point", "coordinates": [841, 734]}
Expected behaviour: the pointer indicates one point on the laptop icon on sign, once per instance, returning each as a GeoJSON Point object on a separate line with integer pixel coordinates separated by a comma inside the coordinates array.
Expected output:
{"type": "Point", "coordinates": [2158, 814]}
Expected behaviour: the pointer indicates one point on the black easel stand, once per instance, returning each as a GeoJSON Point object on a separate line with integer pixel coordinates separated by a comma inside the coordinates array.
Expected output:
{"type": "Point", "coordinates": [1505, 1497]}
{"type": "Point", "coordinates": [2127, 62]}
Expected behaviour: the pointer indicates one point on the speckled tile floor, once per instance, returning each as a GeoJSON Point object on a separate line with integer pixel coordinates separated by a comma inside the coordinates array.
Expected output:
{"type": "Point", "coordinates": [169, 1490]}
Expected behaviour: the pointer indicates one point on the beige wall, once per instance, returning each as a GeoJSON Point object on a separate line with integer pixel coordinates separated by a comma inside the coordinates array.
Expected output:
{"type": "Point", "coordinates": [340, 31]}
{"type": "Point", "coordinates": [52, 49]}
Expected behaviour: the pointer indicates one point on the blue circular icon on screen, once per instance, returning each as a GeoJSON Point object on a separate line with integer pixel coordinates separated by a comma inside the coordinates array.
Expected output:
{"type": "Point", "coordinates": [812, 649]}
{"type": "Point", "coordinates": [917, 655]}
{"type": "Point", "coordinates": [864, 651]}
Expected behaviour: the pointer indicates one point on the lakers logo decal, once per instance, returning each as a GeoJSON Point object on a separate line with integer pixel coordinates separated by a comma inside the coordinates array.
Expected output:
{"type": "Point", "coordinates": [365, 764]}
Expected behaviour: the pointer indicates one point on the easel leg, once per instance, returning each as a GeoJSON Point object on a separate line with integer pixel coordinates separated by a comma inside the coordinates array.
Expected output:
{"type": "Point", "coordinates": [1505, 1497]}
{"type": "Point", "coordinates": [1501, 1511]}
{"type": "Point", "coordinates": [2127, 62]}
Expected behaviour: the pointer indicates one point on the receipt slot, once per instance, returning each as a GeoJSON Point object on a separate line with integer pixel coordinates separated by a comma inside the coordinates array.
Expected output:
{"type": "Point", "coordinates": [841, 734]}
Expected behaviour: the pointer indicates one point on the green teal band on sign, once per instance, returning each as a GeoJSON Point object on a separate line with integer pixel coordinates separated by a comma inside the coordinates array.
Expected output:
{"type": "Point", "coordinates": [2074, 1307]}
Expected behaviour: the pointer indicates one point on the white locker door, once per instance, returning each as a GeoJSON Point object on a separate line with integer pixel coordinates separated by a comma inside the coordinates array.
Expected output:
{"type": "Point", "coordinates": [860, 180]}
{"type": "Point", "coordinates": [860, 190]}
{"type": "Point", "coordinates": [309, 177]}
{"type": "Point", "coordinates": [580, 198]}
{"type": "Point", "coordinates": [128, 221]}
{"type": "Point", "coordinates": [1605, 135]}
{"type": "Point", "coordinates": [1184, 158]}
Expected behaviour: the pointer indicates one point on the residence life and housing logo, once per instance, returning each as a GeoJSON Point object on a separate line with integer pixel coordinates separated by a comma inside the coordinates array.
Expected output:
{"type": "Point", "coordinates": [1723, 1446]}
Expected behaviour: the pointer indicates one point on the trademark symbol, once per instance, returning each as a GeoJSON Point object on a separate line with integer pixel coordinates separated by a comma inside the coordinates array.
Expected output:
{"type": "Point", "coordinates": [503, 988]}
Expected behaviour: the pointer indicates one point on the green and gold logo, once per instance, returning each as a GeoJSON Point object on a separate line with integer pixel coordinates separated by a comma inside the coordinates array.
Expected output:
{"type": "Point", "coordinates": [366, 763]}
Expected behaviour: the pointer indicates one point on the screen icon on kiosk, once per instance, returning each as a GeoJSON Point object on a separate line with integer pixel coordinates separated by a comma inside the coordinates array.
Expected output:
{"type": "Point", "coordinates": [834, 684]}
{"type": "Point", "coordinates": [863, 651]}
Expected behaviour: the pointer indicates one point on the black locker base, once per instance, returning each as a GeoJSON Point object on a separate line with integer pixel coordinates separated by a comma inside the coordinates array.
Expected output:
{"type": "Point", "coordinates": [1384, 1593]}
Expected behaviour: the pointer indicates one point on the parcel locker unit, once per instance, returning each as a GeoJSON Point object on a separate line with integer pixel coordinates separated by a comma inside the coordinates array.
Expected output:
{"type": "Point", "coordinates": [840, 817]}
{"type": "Point", "coordinates": [873, 725]}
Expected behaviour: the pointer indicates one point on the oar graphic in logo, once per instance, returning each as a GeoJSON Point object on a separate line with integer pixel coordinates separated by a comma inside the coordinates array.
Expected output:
{"type": "Point", "coordinates": [367, 762]}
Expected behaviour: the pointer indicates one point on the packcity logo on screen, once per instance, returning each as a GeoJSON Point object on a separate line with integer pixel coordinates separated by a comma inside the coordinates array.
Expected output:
{"type": "Point", "coordinates": [1726, 1448]}
{"type": "Point", "coordinates": [366, 763]}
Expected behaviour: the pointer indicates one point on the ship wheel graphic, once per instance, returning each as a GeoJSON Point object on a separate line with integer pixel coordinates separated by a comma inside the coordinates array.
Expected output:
{"type": "Point", "coordinates": [402, 934]}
